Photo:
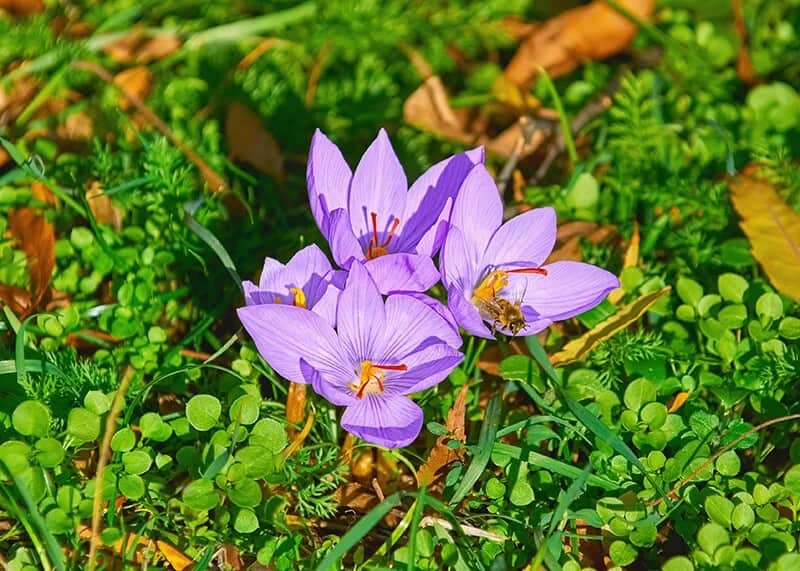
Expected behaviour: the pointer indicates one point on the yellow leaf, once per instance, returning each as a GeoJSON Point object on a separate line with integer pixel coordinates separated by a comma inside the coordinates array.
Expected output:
{"type": "Point", "coordinates": [773, 229]}
{"type": "Point", "coordinates": [577, 349]}
{"type": "Point", "coordinates": [631, 260]}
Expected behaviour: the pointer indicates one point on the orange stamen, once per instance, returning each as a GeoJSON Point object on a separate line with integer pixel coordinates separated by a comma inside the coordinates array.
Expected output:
{"type": "Point", "coordinates": [374, 249]}
{"type": "Point", "coordinates": [372, 376]}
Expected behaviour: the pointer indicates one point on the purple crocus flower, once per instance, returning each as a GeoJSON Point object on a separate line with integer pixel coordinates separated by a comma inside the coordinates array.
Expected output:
{"type": "Point", "coordinates": [493, 272]}
{"type": "Point", "coordinates": [372, 217]}
{"type": "Point", "coordinates": [307, 280]}
{"type": "Point", "coordinates": [381, 352]}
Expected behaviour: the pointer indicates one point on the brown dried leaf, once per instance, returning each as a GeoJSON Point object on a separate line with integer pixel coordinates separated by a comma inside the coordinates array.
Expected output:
{"type": "Point", "coordinates": [77, 127]}
{"type": "Point", "coordinates": [429, 108]}
{"type": "Point", "coordinates": [22, 7]}
{"type": "Point", "coordinates": [489, 360]}
{"type": "Point", "coordinates": [102, 207]}
{"type": "Point", "coordinates": [434, 468]}
{"type": "Point", "coordinates": [176, 558]}
{"type": "Point", "coordinates": [36, 237]}
{"type": "Point", "coordinates": [592, 32]}
{"type": "Point", "coordinates": [568, 239]}
{"type": "Point", "coordinates": [137, 81]}
{"type": "Point", "coordinates": [250, 142]}
{"type": "Point", "coordinates": [630, 260]}
{"type": "Point", "coordinates": [137, 46]}
{"type": "Point", "coordinates": [773, 229]}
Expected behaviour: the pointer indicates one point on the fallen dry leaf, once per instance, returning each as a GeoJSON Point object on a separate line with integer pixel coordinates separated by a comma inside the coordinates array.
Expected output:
{"type": "Point", "coordinates": [76, 127]}
{"type": "Point", "coordinates": [428, 108]}
{"type": "Point", "coordinates": [630, 260]}
{"type": "Point", "coordinates": [678, 401]}
{"type": "Point", "coordinates": [773, 229]}
{"type": "Point", "coordinates": [136, 80]}
{"type": "Point", "coordinates": [440, 457]}
{"type": "Point", "coordinates": [176, 559]}
{"type": "Point", "coordinates": [102, 207]}
{"type": "Point", "coordinates": [140, 47]}
{"type": "Point", "coordinates": [592, 32]}
{"type": "Point", "coordinates": [22, 7]}
{"type": "Point", "coordinates": [250, 142]}
{"type": "Point", "coordinates": [489, 361]}
{"type": "Point", "coordinates": [578, 349]}
{"type": "Point", "coordinates": [568, 239]}
{"type": "Point", "coordinates": [35, 236]}
{"type": "Point", "coordinates": [744, 65]}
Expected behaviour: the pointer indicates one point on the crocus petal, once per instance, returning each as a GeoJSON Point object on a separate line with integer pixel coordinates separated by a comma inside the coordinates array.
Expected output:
{"type": "Point", "coordinates": [332, 389]}
{"type": "Point", "coordinates": [478, 210]}
{"type": "Point", "coordinates": [328, 179]}
{"type": "Point", "coordinates": [360, 317]}
{"type": "Point", "coordinates": [392, 422]}
{"type": "Point", "coordinates": [460, 260]}
{"type": "Point", "coordinates": [252, 295]}
{"type": "Point", "coordinates": [326, 303]}
{"type": "Point", "coordinates": [426, 200]}
{"type": "Point", "coordinates": [568, 289]}
{"type": "Point", "coordinates": [278, 278]}
{"type": "Point", "coordinates": [453, 338]}
{"type": "Point", "coordinates": [426, 368]}
{"type": "Point", "coordinates": [466, 314]}
{"type": "Point", "coordinates": [285, 334]}
{"type": "Point", "coordinates": [344, 245]}
{"type": "Point", "coordinates": [524, 241]}
{"type": "Point", "coordinates": [411, 325]}
{"type": "Point", "coordinates": [534, 323]}
{"type": "Point", "coordinates": [379, 185]}
{"type": "Point", "coordinates": [403, 272]}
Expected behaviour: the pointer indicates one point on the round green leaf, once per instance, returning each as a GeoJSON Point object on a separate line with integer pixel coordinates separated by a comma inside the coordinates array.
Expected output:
{"type": "Point", "coordinates": [644, 535]}
{"type": "Point", "coordinates": [245, 493]}
{"type": "Point", "coordinates": [136, 462]}
{"type": "Point", "coordinates": [622, 553]}
{"type": "Point", "coordinates": [154, 427]}
{"type": "Point", "coordinates": [719, 509]}
{"type": "Point", "coordinates": [654, 414]}
{"type": "Point", "coordinates": [31, 418]}
{"type": "Point", "coordinates": [245, 409]}
{"type": "Point", "coordinates": [639, 393]}
{"type": "Point", "coordinates": [123, 440]}
{"type": "Point", "coordinates": [521, 494]}
{"type": "Point", "coordinates": [270, 434]}
{"type": "Point", "coordinates": [732, 287]}
{"type": "Point", "coordinates": [58, 521]}
{"type": "Point", "coordinates": [733, 316]}
{"type": "Point", "coordinates": [689, 290]}
{"type": "Point", "coordinates": [68, 498]}
{"type": "Point", "coordinates": [770, 306]}
{"type": "Point", "coordinates": [792, 480]}
{"type": "Point", "coordinates": [257, 460]}
{"type": "Point", "coordinates": [743, 516]}
{"type": "Point", "coordinates": [495, 489]}
{"type": "Point", "coordinates": [728, 464]}
{"type": "Point", "coordinates": [131, 486]}
{"type": "Point", "coordinates": [97, 402]}
{"type": "Point", "coordinates": [49, 452]}
{"type": "Point", "coordinates": [200, 495]}
{"type": "Point", "coordinates": [789, 328]}
{"type": "Point", "coordinates": [246, 521]}
{"type": "Point", "coordinates": [14, 455]}
{"type": "Point", "coordinates": [788, 562]}
{"type": "Point", "coordinates": [203, 411]}
{"type": "Point", "coordinates": [83, 425]}
{"type": "Point", "coordinates": [679, 563]}
{"type": "Point", "coordinates": [711, 537]}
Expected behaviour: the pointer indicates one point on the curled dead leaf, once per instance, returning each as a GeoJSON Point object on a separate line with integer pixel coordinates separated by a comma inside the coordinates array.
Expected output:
{"type": "Point", "coordinates": [569, 235]}
{"type": "Point", "coordinates": [435, 467]}
{"type": "Point", "coordinates": [141, 47]}
{"type": "Point", "coordinates": [176, 559]}
{"type": "Point", "coordinates": [630, 260]}
{"type": "Point", "coordinates": [22, 7]}
{"type": "Point", "coordinates": [136, 80]}
{"type": "Point", "coordinates": [591, 32]}
{"type": "Point", "coordinates": [250, 142]}
{"type": "Point", "coordinates": [773, 229]}
{"type": "Point", "coordinates": [295, 406]}
{"type": "Point", "coordinates": [102, 207]}
{"type": "Point", "coordinates": [678, 401]}
{"type": "Point", "coordinates": [578, 349]}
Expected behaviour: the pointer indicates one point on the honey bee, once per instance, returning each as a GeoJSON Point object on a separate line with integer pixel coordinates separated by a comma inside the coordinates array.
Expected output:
{"type": "Point", "coordinates": [502, 313]}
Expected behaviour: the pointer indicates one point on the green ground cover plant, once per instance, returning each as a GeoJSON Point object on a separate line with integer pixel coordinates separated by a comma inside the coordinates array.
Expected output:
{"type": "Point", "coordinates": [154, 154]}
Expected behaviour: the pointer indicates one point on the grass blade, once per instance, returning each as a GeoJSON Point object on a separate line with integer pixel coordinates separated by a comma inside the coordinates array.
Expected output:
{"type": "Point", "coordinates": [552, 465]}
{"type": "Point", "coordinates": [357, 532]}
{"type": "Point", "coordinates": [586, 418]}
{"type": "Point", "coordinates": [212, 242]}
{"type": "Point", "coordinates": [486, 442]}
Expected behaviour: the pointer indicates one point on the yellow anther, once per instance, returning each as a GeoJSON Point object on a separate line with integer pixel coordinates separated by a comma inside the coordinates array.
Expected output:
{"type": "Point", "coordinates": [299, 297]}
{"type": "Point", "coordinates": [491, 285]}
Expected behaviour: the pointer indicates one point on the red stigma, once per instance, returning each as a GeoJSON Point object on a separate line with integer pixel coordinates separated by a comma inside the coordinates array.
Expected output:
{"type": "Point", "coordinates": [374, 249]}
{"type": "Point", "coordinates": [540, 271]}
{"type": "Point", "coordinates": [400, 367]}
